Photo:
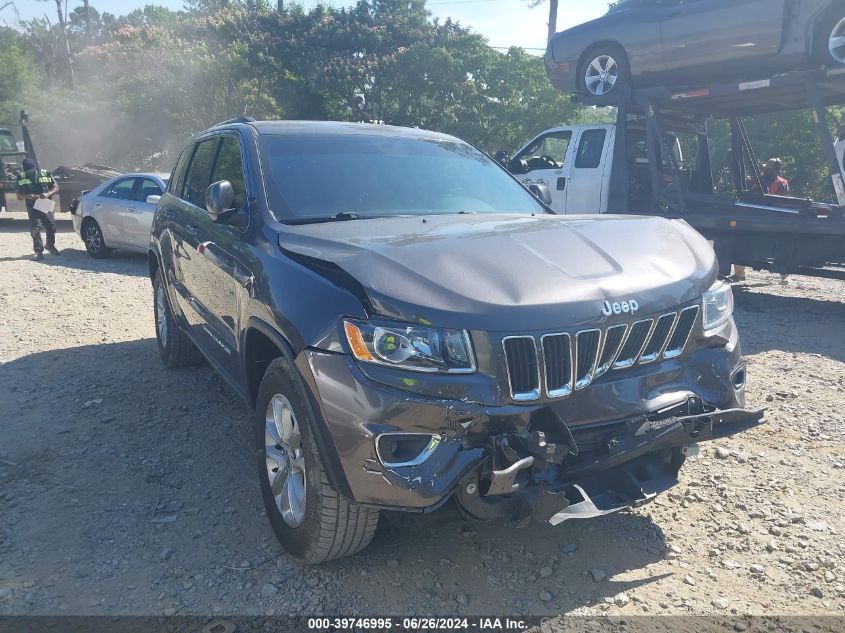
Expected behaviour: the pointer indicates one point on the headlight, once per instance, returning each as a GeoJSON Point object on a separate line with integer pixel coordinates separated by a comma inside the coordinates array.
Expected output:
{"type": "Point", "coordinates": [412, 347]}
{"type": "Point", "coordinates": [718, 305]}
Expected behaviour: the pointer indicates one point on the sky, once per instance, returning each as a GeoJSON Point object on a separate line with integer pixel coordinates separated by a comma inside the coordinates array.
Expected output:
{"type": "Point", "coordinates": [504, 22]}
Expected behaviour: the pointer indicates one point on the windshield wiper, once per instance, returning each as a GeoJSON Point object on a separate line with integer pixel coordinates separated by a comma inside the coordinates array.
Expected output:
{"type": "Point", "coordinates": [340, 217]}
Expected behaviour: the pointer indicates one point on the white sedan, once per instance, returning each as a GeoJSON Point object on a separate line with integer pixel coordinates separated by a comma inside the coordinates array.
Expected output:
{"type": "Point", "coordinates": [119, 213]}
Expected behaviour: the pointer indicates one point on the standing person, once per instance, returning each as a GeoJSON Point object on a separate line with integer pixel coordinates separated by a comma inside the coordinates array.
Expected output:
{"type": "Point", "coordinates": [774, 183]}
{"type": "Point", "coordinates": [34, 184]}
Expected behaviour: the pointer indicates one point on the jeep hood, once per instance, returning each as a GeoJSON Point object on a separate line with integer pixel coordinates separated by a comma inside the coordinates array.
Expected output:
{"type": "Point", "coordinates": [504, 273]}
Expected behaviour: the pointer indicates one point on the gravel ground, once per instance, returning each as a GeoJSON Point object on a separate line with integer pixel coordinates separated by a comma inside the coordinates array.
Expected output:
{"type": "Point", "coordinates": [129, 489]}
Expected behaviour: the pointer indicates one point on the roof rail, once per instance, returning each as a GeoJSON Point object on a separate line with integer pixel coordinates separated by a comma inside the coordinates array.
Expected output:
{"type": "Point", "coordinates": [240, 119]}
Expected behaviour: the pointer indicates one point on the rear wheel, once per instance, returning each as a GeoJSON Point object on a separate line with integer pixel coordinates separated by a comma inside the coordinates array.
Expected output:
{"type": "Point", "coordinates": [92, 235]}
{"type": "Point", "coordinates": [831, 39]}
{"type": "Point", "coordinates": [174, 346]}
{"type": "Point", "coordinates": [604, 71]}
{"type": "Point", "coordinates": [312, 521]}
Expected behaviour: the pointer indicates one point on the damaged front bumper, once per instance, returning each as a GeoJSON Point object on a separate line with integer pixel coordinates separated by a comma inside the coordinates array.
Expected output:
{"type": "Point", "coordinates": [517, 461]}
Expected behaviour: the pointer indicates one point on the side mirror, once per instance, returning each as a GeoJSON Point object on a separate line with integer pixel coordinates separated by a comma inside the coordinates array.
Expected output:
{"type": "Point", "coordinates": [220, 203]}
{"type": "Point", "coordinates": [153, 199]}
{"type": "Point", "coordinates": [542, 193]}
{"type": "Point", "coordinates": [502, 158]}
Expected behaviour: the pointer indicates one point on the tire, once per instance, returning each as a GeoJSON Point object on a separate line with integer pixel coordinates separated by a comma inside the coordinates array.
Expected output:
{"type": "Point", "coordinates": [93, 238]}
{"type": "Point", "coordinates": [175, 348]}
{"type": "Point", "coordinates": [599, 59]}
{"type": "Point", "coordinates": [321, 525]}
{"type": "Point", "coordinates": [830, 38]}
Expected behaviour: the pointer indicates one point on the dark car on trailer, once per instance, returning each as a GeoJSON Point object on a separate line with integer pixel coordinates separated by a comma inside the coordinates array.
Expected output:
{"type": "Point", "coordinates": [681, 42]}
{"type": "Point", "coordinates": [411, 342]}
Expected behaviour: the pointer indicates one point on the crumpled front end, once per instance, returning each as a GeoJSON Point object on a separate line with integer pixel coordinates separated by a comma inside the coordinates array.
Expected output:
{"type": "Point", "coordinates": [614, 444]}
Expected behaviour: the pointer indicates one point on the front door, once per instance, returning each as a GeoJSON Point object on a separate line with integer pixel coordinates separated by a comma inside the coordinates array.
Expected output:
{"type": "Point", "coordinates": [545, 160]}
{"type": "Point", "coordinates": [137, 215]}
{"type": "Point", "coordinates": [707, 32]}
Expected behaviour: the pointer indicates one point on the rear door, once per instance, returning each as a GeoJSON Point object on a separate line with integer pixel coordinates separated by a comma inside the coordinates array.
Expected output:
{"type": "Point", "coordinates": [545, 160]}
{"type": "Point", "coordinates": [586, 186]}
{"type": "Point", "coordinates": [110, 210]}
{"type": "Point", "coordinates": [707, 32]}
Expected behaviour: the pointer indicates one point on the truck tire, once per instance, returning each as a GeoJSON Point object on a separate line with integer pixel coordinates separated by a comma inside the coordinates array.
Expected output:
{"type": "Point", "coordinates": [830, 39]}
{"type": "Point", "coordinates": [92, 236]}
{"type": "Point", "coordinates": [175, 348]}
{"type": "Point", "coordinates": [604, 71]}
{"type": "Point", "coordinates": [312, 522]}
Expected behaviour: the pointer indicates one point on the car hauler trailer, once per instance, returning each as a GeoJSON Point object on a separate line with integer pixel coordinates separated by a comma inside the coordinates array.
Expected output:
{"type": "Point", "coordinates": [782, 234]}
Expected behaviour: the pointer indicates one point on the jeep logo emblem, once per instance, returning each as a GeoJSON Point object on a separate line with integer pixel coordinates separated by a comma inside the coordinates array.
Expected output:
{"type": "Point", "coordinates": [626, 307]}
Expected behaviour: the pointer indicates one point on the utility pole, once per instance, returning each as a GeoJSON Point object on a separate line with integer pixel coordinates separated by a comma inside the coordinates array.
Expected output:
{"type": "Point", "coordinates": [280, 6]}
{"type": "Point", "coordinates": [552, 17]}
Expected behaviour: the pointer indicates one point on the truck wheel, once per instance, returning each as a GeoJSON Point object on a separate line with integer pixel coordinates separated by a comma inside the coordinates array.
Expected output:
{"type": "Point", "coordinates": [92, 235]}
{"type": "Point", "coordinates": [312, 522]}
{"type": "Point", "coordinates": [174, 346]}
{"type": "Point", "coordinates": [604, 71]}
{"type": "Point", "coordinates": [831, 39]}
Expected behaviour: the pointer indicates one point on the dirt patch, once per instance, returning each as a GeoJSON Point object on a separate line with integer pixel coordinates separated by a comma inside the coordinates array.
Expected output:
{"type": "Point", "coordinates": [129, 489]}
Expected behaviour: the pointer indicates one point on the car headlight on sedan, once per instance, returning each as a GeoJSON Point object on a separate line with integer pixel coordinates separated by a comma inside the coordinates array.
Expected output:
{"type": "Point", "coordinates": [718, 305]}
{"type": "Point", "coordinates": [413, 347]}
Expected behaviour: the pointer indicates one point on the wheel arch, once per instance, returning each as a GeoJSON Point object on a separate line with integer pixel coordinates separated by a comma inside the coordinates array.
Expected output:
{"type": "Point", "coordinates": [261, 344]}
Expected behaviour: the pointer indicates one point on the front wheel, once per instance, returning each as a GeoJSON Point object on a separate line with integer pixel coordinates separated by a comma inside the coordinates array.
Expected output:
{"type": "Point", "coordinates": [312, 521]}
{"type": "Point", "coordinates": [604, 71]}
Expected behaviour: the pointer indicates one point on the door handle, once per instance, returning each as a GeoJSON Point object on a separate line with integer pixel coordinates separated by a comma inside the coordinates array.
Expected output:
{"type": "Point", "coordinates": [193, 229]}
{"type": "Point", "coordinates": [131, 209]}
{"type": "Point", "coordinates": [97, 205]}
{"type": "Point", "coordinates": [243, 277]}
{"type": "Point", "coordinates": [561, 184]}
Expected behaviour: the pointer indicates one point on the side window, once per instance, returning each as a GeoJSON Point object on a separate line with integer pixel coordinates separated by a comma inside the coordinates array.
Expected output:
{"type": "Point", "coordinates": [590, 149]}
{"type": "Point", "coordinates": [199, 173]}
{"type": "Point", "coordinates": [147, 188]}
{"type": "Point", "coordinates": [229, 167]}
{"type": "Point", "coordinates": [177, 178]}
{"type": "Point", "coordinates": [122, 189]}
{"type": "Point", "coordinates": [547, 152]}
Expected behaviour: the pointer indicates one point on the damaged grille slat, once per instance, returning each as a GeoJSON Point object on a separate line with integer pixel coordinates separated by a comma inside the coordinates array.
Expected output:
{"type": "Point", "coordinates": [586, 355]}
{"type": "Point", "coordinates": [523, 369]}
{"type": "Point", "coordinates": [659, 336]}
{"type": "Point", "coordinates": [680, 336]}
{"type": "Point", "coordinates": [564, 362]}
{"type": "Point", "coordinates": [557, 359]}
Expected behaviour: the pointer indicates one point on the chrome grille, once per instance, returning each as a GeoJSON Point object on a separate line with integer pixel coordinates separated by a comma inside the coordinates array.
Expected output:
{"type": "Point", "coordinates": [563, 362]}
{"type": "Point", "coordinates": [523, 369]}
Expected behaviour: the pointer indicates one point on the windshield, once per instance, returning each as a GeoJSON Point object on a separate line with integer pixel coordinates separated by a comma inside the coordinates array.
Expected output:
{"type": "Point", "coordinates": [7, 142]}
{"type": "Point", "coordinates": [322, 176]}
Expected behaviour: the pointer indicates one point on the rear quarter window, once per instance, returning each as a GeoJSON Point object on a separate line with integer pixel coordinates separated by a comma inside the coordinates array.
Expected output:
{"type": "Point", "coordinates": [590, 149]}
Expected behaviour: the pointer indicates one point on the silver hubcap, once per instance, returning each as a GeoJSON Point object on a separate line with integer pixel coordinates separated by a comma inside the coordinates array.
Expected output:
{"type": "Point", "coordinates": [601, 75]}
{"type": "Point", "coordinates": [161, 315]}
{"type": "Point", "coordinates": [92, 238]}
{"type": "Point", "coordinates": [285, 460]}
{"type": "Point", "coordinates": [837, 42]}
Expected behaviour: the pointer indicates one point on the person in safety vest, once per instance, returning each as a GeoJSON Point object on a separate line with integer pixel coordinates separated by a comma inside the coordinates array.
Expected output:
{"type": "Point", "coordinates": [32, 185]}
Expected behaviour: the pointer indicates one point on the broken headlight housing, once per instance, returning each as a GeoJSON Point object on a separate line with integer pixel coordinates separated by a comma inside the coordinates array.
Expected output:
{"type": "Point", "coordinates": [718, 306]}
{"type": "Point", "coordinates": [413, 347]}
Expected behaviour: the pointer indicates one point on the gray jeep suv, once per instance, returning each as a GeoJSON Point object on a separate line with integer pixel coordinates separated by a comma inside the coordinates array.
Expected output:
{"type": "Point", "coordinates": [413, 328]}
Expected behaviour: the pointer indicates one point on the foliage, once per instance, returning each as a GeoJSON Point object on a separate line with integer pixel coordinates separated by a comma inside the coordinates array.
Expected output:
{"type": "Point", "coordinates": [17, 70]}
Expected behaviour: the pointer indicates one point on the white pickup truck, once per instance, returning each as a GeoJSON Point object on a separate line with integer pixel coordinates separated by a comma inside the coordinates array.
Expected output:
{"type": "Point", "coordinates": [577, 162]}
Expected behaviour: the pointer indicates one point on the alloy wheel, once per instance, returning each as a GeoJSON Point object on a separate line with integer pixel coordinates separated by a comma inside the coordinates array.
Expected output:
{"type": "Point", "coordinates": [837, 42]}
{"type": "Point", "coordinates": [93, 240]}
{"type": "Point", "coordinates": [601, 75]}
{"type": "Point", "coordinates": [161, 315]}
{"type": "Point", "coordinates": [285, 459]}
